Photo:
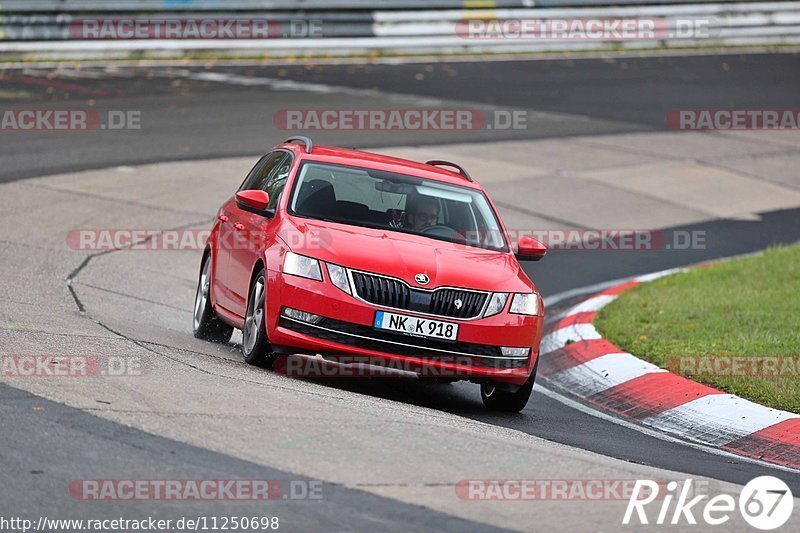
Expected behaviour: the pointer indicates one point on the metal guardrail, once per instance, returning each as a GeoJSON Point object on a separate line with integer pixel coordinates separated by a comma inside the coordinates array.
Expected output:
{"type": "Point", "coordinates": [399, 26]}
{"type": "Point", "coordinates": [96, 6]}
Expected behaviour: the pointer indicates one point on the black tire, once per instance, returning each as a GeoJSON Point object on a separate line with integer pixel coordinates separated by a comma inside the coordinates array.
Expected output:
{"type": "Point", "coordinates": [255, 344]}
{"type": "Point", "coordinates": [509, 402]}
{"type": "Point", "coordinates": [205, 325]}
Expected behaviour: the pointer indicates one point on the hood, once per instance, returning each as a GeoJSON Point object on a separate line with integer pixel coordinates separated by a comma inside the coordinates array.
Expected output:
{"type": "Point", "coordinates": [403, 256]}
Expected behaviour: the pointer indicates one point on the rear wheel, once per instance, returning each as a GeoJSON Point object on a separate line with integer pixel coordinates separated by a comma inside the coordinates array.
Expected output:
{"type": "Point", "coordinates": [255, 345]}
{"type": "Point", "coordinates": [511, 402]}
{"type": "Point", "coordinates": [206, 325]}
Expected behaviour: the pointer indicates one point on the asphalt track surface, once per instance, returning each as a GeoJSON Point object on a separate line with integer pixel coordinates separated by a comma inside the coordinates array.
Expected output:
{"type": "Point", "coordinates": [186, 119]}
{"type": "Point", "coordinates": [189, 118]}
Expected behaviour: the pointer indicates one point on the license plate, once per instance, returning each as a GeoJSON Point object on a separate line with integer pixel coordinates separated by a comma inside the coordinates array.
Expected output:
{"type": "Point", "coordinates": [416, 327]}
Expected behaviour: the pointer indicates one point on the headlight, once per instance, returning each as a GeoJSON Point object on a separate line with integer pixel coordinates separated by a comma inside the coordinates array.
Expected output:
{"type": "Point", "coordinates": [525, 304]}
{"type": "Point", "coordinates": [338, 277]}
{"type": "Point", "coordinates": [300, 265]}
{"type": "Point", "coordinates": [497, 303]}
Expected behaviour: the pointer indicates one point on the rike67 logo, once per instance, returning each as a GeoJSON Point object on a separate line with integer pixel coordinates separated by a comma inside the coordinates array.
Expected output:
{"type": "Point", "coordinates": [765, 503]}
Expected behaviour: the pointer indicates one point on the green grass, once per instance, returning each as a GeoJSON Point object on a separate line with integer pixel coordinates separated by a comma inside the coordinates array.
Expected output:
{"type": "Point", "coordinates": [6, 94]}
{"type": "Point", "coordinates": [748, 307]}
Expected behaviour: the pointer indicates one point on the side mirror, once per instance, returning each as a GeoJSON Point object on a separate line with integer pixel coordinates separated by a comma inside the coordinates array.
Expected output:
{"type": "Point", "coordinates": [254, 202]}
{"type": "Point", "coordinates": [529, 249]}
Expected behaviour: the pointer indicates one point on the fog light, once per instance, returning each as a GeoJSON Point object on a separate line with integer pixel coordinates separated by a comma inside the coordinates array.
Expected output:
{"type": "Point", "coordinates": [515, 352]}
{"type": "Point", "coordinates": [302, 316]}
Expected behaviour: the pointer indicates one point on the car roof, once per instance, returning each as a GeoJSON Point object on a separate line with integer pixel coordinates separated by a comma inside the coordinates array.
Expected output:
{"type": "Point", "coordinates": [344, 156]}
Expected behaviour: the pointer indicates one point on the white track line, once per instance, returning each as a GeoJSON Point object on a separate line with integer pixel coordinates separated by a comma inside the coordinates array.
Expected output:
{"type": "Point", "coordinates": [321, 88]}
{"type": "Point", "coordinates": [412, 59]}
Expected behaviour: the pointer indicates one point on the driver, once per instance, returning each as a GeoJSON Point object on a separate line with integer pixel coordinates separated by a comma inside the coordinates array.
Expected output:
{"type": "Point", "coordinates": [421, 212]}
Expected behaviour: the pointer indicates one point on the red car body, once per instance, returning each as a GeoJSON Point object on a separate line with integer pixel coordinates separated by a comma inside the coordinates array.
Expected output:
{"type": "Point", "coordinates": [243, 242]}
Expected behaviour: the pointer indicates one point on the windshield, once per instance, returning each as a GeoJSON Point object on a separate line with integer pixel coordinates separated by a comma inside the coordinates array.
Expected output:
{"type": "Point", "coordinates": [395, 202]}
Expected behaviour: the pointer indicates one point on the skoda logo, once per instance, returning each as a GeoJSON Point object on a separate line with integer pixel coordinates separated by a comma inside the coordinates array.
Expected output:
{"type": "Point", "coordinates": [422, 279]}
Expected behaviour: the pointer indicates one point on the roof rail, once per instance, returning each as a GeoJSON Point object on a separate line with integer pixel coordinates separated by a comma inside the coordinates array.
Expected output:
{"type": "Point", "coordinates": [438, 163]}
{"type": "Point", "coordinates": [305, 140]}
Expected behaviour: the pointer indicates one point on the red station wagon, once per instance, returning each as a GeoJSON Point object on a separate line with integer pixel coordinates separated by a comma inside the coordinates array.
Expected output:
{"type": "Point", "coordinates": [342, 254]}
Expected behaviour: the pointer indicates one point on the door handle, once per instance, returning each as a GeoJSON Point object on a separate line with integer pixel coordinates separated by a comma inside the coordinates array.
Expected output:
{"type": "Point", "coordinates": [239, 226]}
{"type": "Point", "coordinates": [223, 218]}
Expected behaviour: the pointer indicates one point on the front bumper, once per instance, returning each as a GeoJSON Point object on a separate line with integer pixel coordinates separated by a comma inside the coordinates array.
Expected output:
{"type": "Point", "coordinates": [476, 354]}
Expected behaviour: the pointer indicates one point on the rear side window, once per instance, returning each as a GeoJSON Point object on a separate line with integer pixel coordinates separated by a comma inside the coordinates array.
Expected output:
{"type": "Point", "coordinates": [262, 172]}
{"type": "Point", "coordinates": [277, 181]}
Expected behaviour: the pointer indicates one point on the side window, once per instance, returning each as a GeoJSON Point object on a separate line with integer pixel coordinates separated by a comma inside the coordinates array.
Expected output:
{"type": "Point", "coordinates": [277, 181]}
{"type": "Point", "coordinates": [259, 176]}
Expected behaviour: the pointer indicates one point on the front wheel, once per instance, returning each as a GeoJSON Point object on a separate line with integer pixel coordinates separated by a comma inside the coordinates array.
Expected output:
{"type": "Point", "coordinates": [255, 345]}
{"type": "Point", "coordinates": [510, 402]}
{"type": "Point", "coordinates": [205, 325]}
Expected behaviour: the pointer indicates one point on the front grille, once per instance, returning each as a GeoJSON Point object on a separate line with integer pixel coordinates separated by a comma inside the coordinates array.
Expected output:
{"type": "Point", "coordinates": [387, 292]}
{"type": "Point", "coordinates": [383, 291]}
{"type": "Point", "coordinates": [349, 334]}
{"type": "Point", "coordinates": [443, 303]}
